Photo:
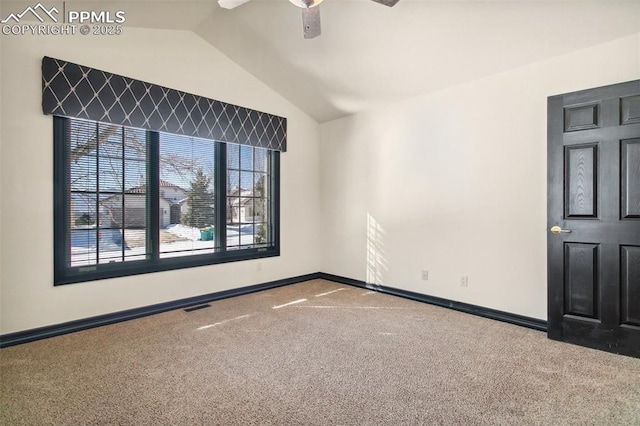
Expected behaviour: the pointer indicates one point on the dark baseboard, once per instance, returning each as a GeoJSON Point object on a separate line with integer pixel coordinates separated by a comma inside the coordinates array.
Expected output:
{"type": "Point", "coordinates": [26, 336]}
{"type": "Point", "coordinates": [32, 335]}
{"type": "Point", "coordinates": [494, 314]}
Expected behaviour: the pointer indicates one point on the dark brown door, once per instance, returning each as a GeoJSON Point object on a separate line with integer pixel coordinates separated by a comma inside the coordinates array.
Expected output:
{"type": "Point", "coordinates": [594, 205]}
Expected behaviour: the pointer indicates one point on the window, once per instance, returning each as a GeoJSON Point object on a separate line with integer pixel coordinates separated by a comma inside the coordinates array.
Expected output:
{"type": "Point", "coordinates": [130, 201]}
{"type": "Point", "coordinates": [187, 185]}
{"type": "Point", "coordinates": [247, 204]}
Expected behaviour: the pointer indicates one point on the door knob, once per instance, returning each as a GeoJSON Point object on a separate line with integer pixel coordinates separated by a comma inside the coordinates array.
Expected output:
{"type": "Point", "coordinates": [557, 230]}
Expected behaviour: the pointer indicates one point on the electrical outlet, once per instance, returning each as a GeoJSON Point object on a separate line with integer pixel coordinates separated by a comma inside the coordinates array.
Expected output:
{"type": "Point", "coordinates": [425, 275]}
{"type": "Point", "coordinates": [464, 281]}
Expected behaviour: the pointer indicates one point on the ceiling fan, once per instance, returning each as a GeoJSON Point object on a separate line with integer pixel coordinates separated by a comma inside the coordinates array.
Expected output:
{"type": "Point", "coordinates": [310, 12]}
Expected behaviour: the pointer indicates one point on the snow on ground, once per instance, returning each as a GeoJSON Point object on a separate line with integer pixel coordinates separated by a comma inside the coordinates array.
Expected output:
{"type": "Point", "coordinates": [193, 234]}
{"type": "Point", "coordinates": [83, 244]}
{"type": "Point", "coordinates": [184, 231]}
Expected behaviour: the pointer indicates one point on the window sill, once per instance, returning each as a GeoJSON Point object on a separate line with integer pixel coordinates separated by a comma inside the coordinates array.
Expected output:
{"type": "Point", "coordinates": [124, 269]}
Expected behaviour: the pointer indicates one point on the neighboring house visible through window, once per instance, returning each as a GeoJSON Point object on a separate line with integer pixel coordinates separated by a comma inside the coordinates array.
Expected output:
{"type": "Point", "coordinates": [139, 201]}
{"type": "Point", "coordinates": [134, 207]}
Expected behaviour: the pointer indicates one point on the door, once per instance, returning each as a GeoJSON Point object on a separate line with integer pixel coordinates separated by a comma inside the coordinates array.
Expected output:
{"type": "Point", "coordinates": [593, 242]}
{"type": "Point", "coordinates": [174, 213]}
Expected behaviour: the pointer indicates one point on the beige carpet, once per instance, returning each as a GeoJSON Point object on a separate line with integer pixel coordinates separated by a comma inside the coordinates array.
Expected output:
{"type": "Point", "coordinates": [299, 356]}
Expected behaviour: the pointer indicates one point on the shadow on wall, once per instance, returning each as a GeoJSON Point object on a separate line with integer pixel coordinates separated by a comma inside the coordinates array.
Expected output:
{"type": "Point", "coordinates": [376, 260]}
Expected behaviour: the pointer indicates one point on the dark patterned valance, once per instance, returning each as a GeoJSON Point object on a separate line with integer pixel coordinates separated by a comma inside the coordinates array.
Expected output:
{"type": "Point", "coordinates": [72, 90]}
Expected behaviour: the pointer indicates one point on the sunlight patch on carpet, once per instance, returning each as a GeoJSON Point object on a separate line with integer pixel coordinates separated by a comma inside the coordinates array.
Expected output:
{"type": "Point", "coordinates": [290, 303]}
{"type": "Point", "coordinates": [204, 327]}
{"type": "Point", "coordinates": [329, 292]}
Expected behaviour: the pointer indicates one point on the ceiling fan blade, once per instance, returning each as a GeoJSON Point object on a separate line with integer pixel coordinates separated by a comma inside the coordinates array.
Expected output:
{"type": "Point", "coordinates": [311, 22]}
{"type": "Point", "coordinates": [231, 4]}
{"type": "Point", "coordinates": [389, 3]}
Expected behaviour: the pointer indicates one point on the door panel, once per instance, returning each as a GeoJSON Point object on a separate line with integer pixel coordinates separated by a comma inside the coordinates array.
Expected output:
{"type": "Point", "coordinates": [630, 179]}
{"type": "Point", "coordinates": [594, 197]}
{"type": "Point", "coordinates": [630, 110]}
{"type": "Point", "coordinates": [581, 117]}
{"type": "Point", "coordinates": [630, 294]}
{"type": "Point", "coordinates": [581, 177]}
{"type": "Point", "coordinates": [582, 272]}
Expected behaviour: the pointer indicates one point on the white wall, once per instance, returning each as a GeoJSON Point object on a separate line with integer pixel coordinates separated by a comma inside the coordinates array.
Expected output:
{"type": "Point", "coordinates": [175, 59]}
{"type": "Point", "coordinates": [455, 182]}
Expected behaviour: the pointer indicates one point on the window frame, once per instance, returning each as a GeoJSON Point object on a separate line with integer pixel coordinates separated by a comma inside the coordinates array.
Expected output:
{"type": "Point", "coordinates": [66, 274]}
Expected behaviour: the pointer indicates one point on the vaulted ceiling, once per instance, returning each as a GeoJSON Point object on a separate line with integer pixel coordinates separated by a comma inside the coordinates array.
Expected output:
{"type": "Point", "coordinates": [369, 55]}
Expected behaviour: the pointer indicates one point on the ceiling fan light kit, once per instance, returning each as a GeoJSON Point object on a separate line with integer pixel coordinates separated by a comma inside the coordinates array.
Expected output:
{"type": "Point", "coordinates": [311, 22]}
{"type": "Point", "coordinates": [306, 4]}
{"type": "Point", "coordinates": [310, 12]}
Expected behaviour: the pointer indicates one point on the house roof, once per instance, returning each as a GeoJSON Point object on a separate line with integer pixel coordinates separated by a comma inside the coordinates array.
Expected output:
{"type": "Point", "coordinates": [239, 192]}
{"type": "Point", "coordinates": [141, 189]}
{"type": "Point", "coordinates": [166, 184]}
{"type": "Point", "coordinates": [169, 201]}
{"type": "Point", "coordinates": [236, 202]}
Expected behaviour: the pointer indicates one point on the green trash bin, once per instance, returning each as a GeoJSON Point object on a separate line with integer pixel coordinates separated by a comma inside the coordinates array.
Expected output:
{"type": "Point", "coordinates": [207, 234]}
{"type": "Point", "coordinates": [204, 234]}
